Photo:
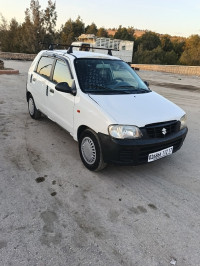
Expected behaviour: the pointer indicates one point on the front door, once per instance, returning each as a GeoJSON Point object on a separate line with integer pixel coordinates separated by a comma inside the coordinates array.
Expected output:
{"type": "Point", "coordinates": [60, 104]}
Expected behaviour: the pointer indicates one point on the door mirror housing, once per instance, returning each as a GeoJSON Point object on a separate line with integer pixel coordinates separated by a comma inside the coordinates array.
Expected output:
{"type": "Point", "coordinates": [146, 83]}
{"type": "Point", "coordinates": [64, 87]}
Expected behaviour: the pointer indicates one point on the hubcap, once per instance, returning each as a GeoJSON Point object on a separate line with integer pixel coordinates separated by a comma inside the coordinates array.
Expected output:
{"type": "Point", "coordinates": [88, 150]}
{"type": "Point", "coordinates": [31, 106]}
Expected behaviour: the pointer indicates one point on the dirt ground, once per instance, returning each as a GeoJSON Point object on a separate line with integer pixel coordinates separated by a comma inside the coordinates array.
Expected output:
{"type": "Point", "coordinates": [53, 211]}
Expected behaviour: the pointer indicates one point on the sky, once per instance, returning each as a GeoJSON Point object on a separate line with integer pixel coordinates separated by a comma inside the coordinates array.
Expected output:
{"type": "Point", "coordinates": [174, 17]}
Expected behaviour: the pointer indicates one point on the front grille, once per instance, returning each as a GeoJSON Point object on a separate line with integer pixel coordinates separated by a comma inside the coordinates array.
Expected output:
{"type": "Point", "coordinates": [161, 130]}
{"type": "Point", "coordinates": [126, 156]}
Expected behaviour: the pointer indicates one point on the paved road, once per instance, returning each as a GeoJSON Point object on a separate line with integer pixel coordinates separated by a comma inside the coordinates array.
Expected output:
{"type": "Point", "coordinates": [53, 211]}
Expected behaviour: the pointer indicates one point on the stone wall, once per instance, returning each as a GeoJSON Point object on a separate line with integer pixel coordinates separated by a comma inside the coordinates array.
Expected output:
{"type": "Point", "coordinates": [185, 70]}
{"type": "Point", "coordinates": [17, 56]}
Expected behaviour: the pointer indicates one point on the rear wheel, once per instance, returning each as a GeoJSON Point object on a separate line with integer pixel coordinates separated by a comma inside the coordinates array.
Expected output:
{"type": "Point", "coordinates": [33, 111]}
{"type": "Point", "coordinates": [90, 151]}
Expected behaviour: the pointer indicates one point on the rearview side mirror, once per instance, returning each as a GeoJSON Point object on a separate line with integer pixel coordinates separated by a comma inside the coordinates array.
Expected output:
{"type": "Point", "coordinates": [64, 87]}
{"type": "Point", "coordinates": [146, 83]}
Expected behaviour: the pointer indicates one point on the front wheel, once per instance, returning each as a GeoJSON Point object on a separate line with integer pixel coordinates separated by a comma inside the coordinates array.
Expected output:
{"type": "Point", "coordinates": [33, 111]}
{"type": "Point", "coordinates": [90, 151]}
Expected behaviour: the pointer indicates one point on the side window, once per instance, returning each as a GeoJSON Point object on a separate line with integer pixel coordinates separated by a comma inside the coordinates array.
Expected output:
{"type": "Point", "coordinates": [44, 66]}
{"type": "Point", "coordinates": [62, 73]}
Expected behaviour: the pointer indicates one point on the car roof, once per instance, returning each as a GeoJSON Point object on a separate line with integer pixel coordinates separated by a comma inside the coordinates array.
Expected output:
{"type": "Point", "coordinates": [81, 54]}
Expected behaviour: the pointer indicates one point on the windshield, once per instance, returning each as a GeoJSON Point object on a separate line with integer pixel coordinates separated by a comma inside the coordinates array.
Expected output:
{"type": "Point", "coordinates": [105, 76]}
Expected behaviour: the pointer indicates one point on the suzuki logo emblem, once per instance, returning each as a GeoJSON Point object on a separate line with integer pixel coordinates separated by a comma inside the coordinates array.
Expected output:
{"type": "Point", "coordinates": [164, 131]}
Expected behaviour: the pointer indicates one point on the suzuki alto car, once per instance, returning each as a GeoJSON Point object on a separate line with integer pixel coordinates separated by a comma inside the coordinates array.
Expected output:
{"type": "Point", "coordinates": [105, 106]}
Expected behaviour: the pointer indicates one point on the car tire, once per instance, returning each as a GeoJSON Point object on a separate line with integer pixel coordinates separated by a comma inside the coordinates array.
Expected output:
{"type": "Point", "coordinates": [90, 151]}
{"type": "Point", "coordinates": [33, 111]}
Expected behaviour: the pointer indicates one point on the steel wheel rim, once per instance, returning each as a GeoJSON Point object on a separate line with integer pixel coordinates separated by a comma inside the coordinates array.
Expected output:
{"type": "Point", "coordinates": [31, 106]}
{"type": "Point", "coordinates": [88, 150]}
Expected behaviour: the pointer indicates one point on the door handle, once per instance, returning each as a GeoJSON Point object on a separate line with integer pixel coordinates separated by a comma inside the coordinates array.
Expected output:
{"type": "Point", "coordinates": [47, 90]}
{"type": "Point", "coordinates": [51, 90]}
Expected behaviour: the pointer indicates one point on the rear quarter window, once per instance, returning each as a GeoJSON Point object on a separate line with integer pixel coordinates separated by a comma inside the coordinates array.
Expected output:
{"type": "Point", "coordinates": [44, 66]}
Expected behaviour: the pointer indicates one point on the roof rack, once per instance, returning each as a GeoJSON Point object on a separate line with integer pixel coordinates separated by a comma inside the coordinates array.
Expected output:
{"type": "Point", "coordinates": [85, 47]}
{"type": "Point", "coordinates": [51, 46]}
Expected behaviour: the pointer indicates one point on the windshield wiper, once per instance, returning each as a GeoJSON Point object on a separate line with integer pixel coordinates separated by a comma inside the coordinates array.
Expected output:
{"type": "Point", "coordinates": [136, 90]}
{"type": "Point", "coordinates": [143, 90]}
{"type": "Point", "coordinates": [126, 86]}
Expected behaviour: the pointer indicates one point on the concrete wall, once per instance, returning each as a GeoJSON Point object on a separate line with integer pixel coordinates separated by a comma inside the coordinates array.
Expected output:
{"type": "Point", "coordinates": [185, 70]}
{"type": "Point", "coordinates": [17, 56]}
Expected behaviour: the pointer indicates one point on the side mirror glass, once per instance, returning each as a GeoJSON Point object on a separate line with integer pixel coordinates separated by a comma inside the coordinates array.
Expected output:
{"type": "Point", "coordinates": [146, 83]}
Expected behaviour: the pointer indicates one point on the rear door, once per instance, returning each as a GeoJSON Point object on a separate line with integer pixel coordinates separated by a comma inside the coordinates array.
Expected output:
{"type": "Point", "coordinates": [39, 83]}
{"type": "Point", "coordinates": [60, 104]}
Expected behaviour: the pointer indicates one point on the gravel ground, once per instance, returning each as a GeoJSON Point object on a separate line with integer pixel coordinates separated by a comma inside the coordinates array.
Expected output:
{"type": "Point", "coordinates": [53, 211]}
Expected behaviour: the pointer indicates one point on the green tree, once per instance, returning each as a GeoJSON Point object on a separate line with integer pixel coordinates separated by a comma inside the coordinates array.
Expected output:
{"type": "Point", "coordinates": [149, 41]}
{"type": "Point", "coordinates": [102, 32]}
{"type": "Point", "coordinates": [50, 19]}
{"type": "Point", "coordinates": [191, 54]}
{"type": "Point", "coordinates": [178, 47]}
{"type": "Point", "coordinates": [13, 36]}
{"type": "Point", "coordinates": [148, 56]}
{"type": "Point", "coordinates": [3, 33]}
{"type": "Point", "coordinates": [166, 43]}
{"type": "Point", "coordinates": [71, 30]}
{"type": "Point", "coordinates": [124, 33]}
{"type": "Point", "coordinates": [33, 31]}
{"type": "Point", "coordinates": [91, 29]}
{"type": "Point", "coordinates": [155, 56]}
{"type": "Point", "coordinates": [39, 26]}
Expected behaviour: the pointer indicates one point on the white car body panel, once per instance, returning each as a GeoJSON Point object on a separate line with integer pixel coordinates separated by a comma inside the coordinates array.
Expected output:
{"type": "Point", "coordinates": [138, 109]}
{"type": "Point", "coordinates": [61, 107]}
{"type": "Point", "coordinates": [88, 113]}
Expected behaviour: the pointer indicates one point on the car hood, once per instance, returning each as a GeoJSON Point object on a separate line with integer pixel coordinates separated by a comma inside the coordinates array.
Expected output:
{"type": "Point", "coordinates": [138, 109]}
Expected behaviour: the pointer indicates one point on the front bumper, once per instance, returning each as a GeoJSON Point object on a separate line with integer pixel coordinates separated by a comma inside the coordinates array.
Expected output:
{"type": "Point", "coordinates": [134, 152]}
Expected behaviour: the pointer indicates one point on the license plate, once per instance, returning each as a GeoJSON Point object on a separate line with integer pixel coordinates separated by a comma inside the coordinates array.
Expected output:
{"type": "Point", "coordinates": [160, 154]}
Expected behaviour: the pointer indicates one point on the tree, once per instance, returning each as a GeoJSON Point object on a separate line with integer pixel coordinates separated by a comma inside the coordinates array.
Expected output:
{"type": "Point", "coordinates": [148, 56]}
{"type": "Point", "coordinates": [50, 18]}
{"type": "Point", "coordinates": [178, 47]}
{"type": "Point", "coordinates": [71, 30]}
{"type": "Point", "coordinates": [149, 41]}
{"type": "Point", "coordinates": [91, 29]}
{"type": "Point", "coordinates": [39, 26]}
{"type": "Point", "coordinates": [124, 33]}
{"type": "Point", "coordinates": [155, 56]}
{"type": "Point", "coordinates": [33, 31]}
{"type": "Point", "coordinates": [3, 33]}
{"type": "Point", "coordinates": [102, 32]}
{"type": "Point", "coordinates": [166, 43]}
{"type": "Point", "coordinates": [13, 36]}
{"type": "Point", "coordinates": [191, 54]}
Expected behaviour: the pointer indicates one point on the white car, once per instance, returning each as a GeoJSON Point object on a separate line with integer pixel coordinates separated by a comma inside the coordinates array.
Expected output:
{"type": "Point", "coordinates": [105, 106]}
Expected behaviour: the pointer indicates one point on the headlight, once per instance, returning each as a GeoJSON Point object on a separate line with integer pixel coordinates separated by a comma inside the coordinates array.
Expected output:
{"type": "Point", "coordinates": [124, 132]}
{"type": "Point", "coordinates": [183, 122]}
